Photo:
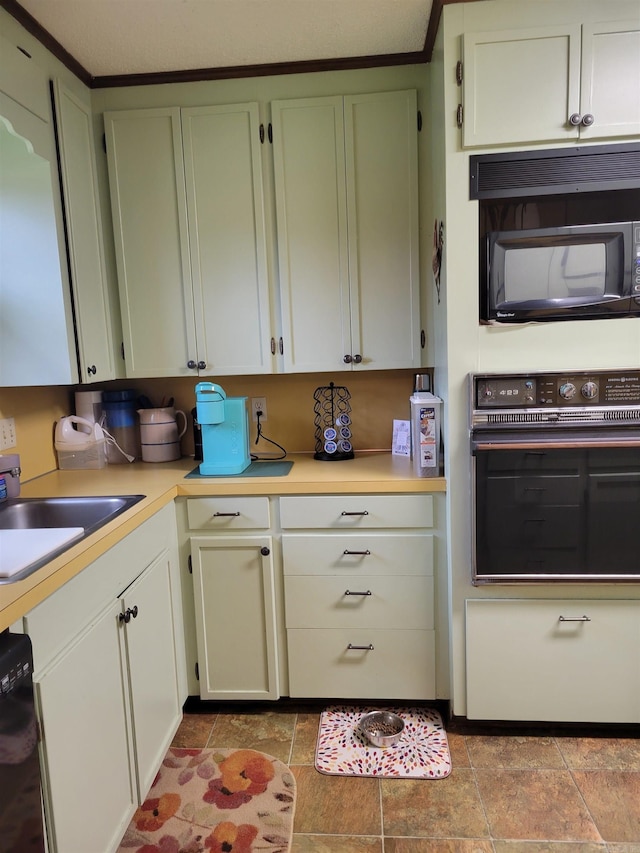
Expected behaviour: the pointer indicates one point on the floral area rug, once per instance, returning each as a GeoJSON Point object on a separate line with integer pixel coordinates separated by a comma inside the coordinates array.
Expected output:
{"type": "Point", "coordinates": [421, 753]}
{"type": "Point", "coordinates": [215, 801]}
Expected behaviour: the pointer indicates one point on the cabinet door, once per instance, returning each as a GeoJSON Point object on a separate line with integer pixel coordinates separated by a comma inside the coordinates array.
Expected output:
{"type": "Point", "coordinates": [566, 661]}
{"type": "Point", "coordinates": [233, 581]}
{"type": "Point", "coordinates": [309, 167]}
{"type": "Point", "coordinates": [84, 236]}
{"type": "Point", "coordinates": [146, 179]}
{"type": "Point", "coordinates": [381, 137]}
{"type": "Point", "coordinates": [223, 170]}
{"type": "Point", "coordinates": [37, 344]}
{"type": "Point", "coordinates": [88, 784]}
{"type": "Point", "coordinates": [521, 86]}
{"type": "Point", "coordinates": [150, 658]}
{"type": "Point", "coordinates": [610, 86]}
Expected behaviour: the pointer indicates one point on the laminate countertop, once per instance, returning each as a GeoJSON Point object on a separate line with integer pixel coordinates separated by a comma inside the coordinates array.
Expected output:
{"type": "Point", "coordinates": [161, 483]}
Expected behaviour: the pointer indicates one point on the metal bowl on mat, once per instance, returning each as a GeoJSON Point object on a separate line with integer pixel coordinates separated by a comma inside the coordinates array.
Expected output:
{"type": "Point", "coordinates": [381, 728]}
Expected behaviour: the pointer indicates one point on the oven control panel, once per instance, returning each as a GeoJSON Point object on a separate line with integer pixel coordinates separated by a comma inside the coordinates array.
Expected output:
{"type": "Point", "coordinates": [555, 390]}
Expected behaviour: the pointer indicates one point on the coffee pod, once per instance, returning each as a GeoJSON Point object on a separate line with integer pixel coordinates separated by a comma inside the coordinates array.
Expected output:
{"type": "Point", "coordinates": [330, 447]}
{"type": "Point", "coordinates": [330, 434]}
{"type": "Point", "coordinates": [343, 420]}
{"type": "Point", "coordinates": [344, 446]}
{"type": "Point", "coordinates": [344, 432]}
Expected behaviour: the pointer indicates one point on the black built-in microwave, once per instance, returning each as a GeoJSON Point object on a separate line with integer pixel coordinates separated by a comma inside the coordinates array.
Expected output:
{"type": "Point", "coordinates": [566, 272]}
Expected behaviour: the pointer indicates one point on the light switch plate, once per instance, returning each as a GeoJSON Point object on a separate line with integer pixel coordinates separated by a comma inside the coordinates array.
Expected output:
{"type": "Point", "coordinates": [7, 433]}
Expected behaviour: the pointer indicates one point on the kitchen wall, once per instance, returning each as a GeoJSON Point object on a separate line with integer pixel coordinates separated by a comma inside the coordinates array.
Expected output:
{"type": "Point", "coordinates": [376, 399]}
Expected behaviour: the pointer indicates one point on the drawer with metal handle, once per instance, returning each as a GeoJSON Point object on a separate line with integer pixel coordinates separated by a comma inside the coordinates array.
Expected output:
{"type": "Point", "coordinates": [361, 663]}
{"type": "Point", "coordinates": [373, 602]}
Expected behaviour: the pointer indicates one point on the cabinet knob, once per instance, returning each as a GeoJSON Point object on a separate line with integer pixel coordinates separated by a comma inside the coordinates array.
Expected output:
{"type": "Point", "coordinates": [129, 613]}
{"type": "Point", "coordinates": [92, 370]}
{"type": "Point", "coordinates": [587, 120]}
{"type": "Point", "coordinates": [202, 365]}
{"type": "Point", "coordinates": [265, 551]}
{"type": "Point", "coordinates": [357, 358]}
{"type": "Point", "coordinates": [347, 359]}
{"type": "Point", "coordinates": [191, 364]}
{"type": "Point", "coordinates": [575, 119]}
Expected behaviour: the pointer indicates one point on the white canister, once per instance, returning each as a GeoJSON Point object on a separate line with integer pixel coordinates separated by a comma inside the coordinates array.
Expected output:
{"type": "Point", "coordinates": [159, 434]}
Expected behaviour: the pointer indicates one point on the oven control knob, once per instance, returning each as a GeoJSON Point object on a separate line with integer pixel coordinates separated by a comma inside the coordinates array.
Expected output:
{"type": "Point", "coordinates": [567, 390]}
{"type": "Point", "coordinates": [589, 390]}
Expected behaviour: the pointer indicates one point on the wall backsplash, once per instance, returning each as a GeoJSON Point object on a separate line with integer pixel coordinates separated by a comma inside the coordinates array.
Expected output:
{"type": "Point", "coordinates": [376, 399]}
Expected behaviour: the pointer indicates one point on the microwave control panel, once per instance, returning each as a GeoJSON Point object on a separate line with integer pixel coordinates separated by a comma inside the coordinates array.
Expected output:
{"type": "Point", "coordinates": [556, 390]}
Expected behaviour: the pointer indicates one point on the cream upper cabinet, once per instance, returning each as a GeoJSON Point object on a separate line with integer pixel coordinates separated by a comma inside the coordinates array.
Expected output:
{"type": "Point", "coordinates": [548, 84]}
{"type": "Point", "coordinates": [346, 187]}
{"type": "Point", "coordinates": [94, 326]}
{"type": "Point", "coordinates": [37, 343]}
{"type": "Point", "coordinates": [186, 194]}
{"type": "Point", "coordinates": [610, 82]}
{"type": "Point", "coordinates": [227, 240]}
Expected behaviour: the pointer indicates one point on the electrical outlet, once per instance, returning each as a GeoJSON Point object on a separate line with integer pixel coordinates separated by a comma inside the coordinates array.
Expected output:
{"type": "Point", "coordinates": [7, 433]}
{"type": "Point", "coordinates": [259, 404]}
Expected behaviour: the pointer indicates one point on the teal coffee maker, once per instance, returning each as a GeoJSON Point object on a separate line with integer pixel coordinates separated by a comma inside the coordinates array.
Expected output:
{"type": "Point", "coordinates": [224, 422]}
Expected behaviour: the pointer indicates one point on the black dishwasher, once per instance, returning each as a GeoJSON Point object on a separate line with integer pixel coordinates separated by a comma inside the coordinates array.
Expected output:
{"type": "Point", "coordinates": [21, 827]}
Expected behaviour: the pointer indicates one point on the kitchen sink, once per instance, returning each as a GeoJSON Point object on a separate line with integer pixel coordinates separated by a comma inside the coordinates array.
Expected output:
{"type": "Point", "coordinates": [35, 530]}
{"type": "Point", "coordinates": [90, 513]}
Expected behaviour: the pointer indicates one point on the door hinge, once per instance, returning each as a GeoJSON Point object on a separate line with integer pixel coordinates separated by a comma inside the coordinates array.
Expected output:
{"type": "Point", "coordinates": [419, 121]}
{"type": "Point", "coordinates": [270, 132]}
{"type": "Point", "coordinates": [262, 134]}
{"type": "Point", "coordinates": [122, 350]}
{"type": "Point", "coordinates": [459, 115]}
{"type": "Point", "coordinates": [190, 565]}
{"type": "Point", "coordinates": [197, 668]}
{"type": "Point", "coordinates": [459, 74]}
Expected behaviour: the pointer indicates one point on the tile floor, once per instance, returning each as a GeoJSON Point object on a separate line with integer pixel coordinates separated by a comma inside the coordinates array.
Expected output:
{"type": "Point", "coordinates": [507, 793]}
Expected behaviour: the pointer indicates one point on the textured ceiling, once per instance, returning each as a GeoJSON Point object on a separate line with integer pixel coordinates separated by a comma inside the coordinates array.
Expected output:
{"type": "Point", "coordinates": [124, 37]}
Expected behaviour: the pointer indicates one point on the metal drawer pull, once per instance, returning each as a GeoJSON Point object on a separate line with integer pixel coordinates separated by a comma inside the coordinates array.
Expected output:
{"type": "Point", "coordinates": [352, 592]}
{"type": "Point", "coordinates": [368, 648]}
{"type": "Point", "coordinates": [218, 514]}
{"type": "Point", "coordinates": [366, 553]}
{"type": "Point", "coordinates": [364, 512]}
{"type": "Point", "coordinates": [574, 619]}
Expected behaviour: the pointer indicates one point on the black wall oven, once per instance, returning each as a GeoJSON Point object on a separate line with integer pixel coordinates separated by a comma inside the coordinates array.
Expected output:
{"type": "Point", "coordinates": [556, 477]}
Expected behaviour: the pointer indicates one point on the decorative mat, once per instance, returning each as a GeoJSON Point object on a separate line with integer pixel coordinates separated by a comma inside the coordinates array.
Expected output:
{"type": "Point", "coordinates": [214, 800]}
{"type": "Point", "coordinates": [258, 468]}
{"type": "Point", "coordinates": [421, 753]}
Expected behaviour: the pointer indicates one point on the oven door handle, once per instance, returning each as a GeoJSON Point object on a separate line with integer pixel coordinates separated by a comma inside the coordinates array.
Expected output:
{"type": "Point", "coordinates": [540, 445]}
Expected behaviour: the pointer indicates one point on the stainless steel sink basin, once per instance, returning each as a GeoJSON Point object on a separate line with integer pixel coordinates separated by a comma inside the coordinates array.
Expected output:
{"type": "Point", "coordinates": [35, 530]}
{"type": "Point", "coordinates": [90, 513]}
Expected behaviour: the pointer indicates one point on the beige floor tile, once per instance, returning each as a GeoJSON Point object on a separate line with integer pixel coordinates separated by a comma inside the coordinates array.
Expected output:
{"type": "Point", "coordinates": [442, 808]}
{"type": "Point", "coordinates": [614, 801]}
{"type": "Point", "coordinates": [269, 732]}
{"type": "Point", "coordinates": [304, 739]}
{"type": "Point", "coordinates": [335, 805]}
{"type": "Point", "coordinates": [194, 731]}
{"type": "Point", "coordinates": [458, 750]}
{"type": "Point", "coordinates": [437, 845]}
{"type": "Point", "coordinates": [623, 848]}
{"type": "Point", "coordinates": [534, 805]}
{"type": "Point", "coordinates": [595, 753]}
{"type": "Point", "coordinates": [526, 753]}
{"type": "Point", "coordinates": [335, 844]}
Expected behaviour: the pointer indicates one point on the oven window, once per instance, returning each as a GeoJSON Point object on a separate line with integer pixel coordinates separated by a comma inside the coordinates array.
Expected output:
{"type": "Point", "coordinates": [556, 512]}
